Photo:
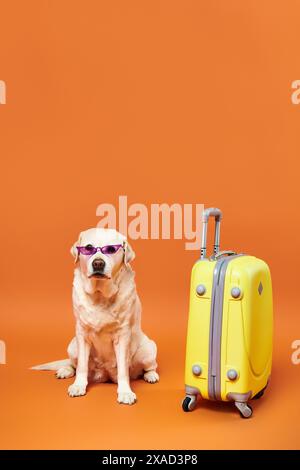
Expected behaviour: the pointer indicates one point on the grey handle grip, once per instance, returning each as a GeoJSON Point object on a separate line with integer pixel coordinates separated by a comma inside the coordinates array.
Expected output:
{"type": "Point", "coordinates": [211, 212]}
{"type": "Point", "coordinates": [217, 214]}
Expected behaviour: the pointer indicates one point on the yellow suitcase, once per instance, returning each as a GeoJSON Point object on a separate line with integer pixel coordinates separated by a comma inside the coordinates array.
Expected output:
{"type": "Point", "coordinates": [230, 326]}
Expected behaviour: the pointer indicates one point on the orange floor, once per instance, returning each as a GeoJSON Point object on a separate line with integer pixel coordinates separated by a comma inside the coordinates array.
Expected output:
{"type": "Point", "coordinates": [36, 412]}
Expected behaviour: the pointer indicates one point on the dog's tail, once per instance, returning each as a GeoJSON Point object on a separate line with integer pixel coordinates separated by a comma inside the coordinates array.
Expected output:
{"type": "Point", "coordinates": [55, 365]}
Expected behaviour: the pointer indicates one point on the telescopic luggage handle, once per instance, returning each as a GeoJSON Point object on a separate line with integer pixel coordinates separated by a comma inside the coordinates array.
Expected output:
{"type": "Point", "coordinates": [217, 214]}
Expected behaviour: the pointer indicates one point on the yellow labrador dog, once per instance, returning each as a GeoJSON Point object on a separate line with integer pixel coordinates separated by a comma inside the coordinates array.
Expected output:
{"type": "Point", "coordinates": [109, 344]}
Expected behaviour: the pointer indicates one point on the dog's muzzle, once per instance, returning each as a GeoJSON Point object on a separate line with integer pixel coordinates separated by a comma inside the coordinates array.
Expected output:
{"type": "Point", "coordinates": [98, 266]}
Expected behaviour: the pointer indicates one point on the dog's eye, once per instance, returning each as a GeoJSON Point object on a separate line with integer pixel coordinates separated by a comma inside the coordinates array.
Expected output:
{"type": "Point", "coordinates": [89, 248]}
{"type": "Point", "coordinates": [109, 250]}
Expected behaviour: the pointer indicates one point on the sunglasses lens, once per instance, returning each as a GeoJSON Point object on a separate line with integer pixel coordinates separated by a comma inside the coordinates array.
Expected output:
{"type": "Point", "coordinates": [110, 249]}
{"type": "Point", "coordinates": [88, 250]}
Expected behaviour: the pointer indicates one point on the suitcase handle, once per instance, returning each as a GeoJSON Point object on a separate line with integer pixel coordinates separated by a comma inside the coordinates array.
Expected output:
{"type": "Point", "coordinates": [217, 214]}
{"type": "Point", "coordinates": [212, 212]}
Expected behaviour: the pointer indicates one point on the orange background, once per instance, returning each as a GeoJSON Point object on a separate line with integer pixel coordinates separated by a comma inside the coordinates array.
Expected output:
{"type": "Point", "coordinates": [170, 101]}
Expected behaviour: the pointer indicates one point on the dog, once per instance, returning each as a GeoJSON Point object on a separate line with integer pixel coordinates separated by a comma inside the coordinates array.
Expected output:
{"type": "Point", "coordinates": [109, 344]}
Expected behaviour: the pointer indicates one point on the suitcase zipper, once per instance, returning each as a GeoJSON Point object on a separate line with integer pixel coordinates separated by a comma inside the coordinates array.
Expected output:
{"type": "Point", "coordinates": [214, 337]}
{"type": "Point", "coordinates": [216, 319]}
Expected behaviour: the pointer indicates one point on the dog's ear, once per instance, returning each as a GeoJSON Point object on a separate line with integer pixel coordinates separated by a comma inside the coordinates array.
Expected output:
{"type": "Point", "coordinates": [74, 251]}
{"type": "Point", "coordinates": [129, 254]}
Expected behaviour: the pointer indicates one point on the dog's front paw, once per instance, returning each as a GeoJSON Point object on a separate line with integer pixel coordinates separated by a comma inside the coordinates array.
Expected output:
{"type": "Point", "coordinates": [151, 376]}
{"type": "Point", "coordinates": [77, 390]}
{"type": "Point", "coordinates": [128, 398]}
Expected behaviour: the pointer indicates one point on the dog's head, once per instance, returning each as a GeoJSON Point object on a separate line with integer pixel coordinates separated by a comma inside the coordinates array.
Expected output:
{"type": "Point", "coordinates": [101, 252]}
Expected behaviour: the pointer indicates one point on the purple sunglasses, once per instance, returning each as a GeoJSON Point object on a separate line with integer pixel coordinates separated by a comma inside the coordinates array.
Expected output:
{"type": "Point", "coordinates": [92, 250]}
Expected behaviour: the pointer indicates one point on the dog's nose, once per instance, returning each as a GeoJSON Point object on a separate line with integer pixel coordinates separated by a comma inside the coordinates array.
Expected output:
{"type": "Point", "coordinates": [98, 264]}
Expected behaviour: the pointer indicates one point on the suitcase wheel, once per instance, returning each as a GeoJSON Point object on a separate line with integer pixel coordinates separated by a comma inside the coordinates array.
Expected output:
{"type": "Point", "coordinates": [244, 409]}
{"type": "Point", "coordinates": [259, 394]}
{"type": "Point", "coordinates": [189, 403]}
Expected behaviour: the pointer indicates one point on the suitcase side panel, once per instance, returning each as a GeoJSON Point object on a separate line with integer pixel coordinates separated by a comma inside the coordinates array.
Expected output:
{"type": "Point", "coordinates": [247, 328]}
{"type": "Point", "coordinates": [198, 334]}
